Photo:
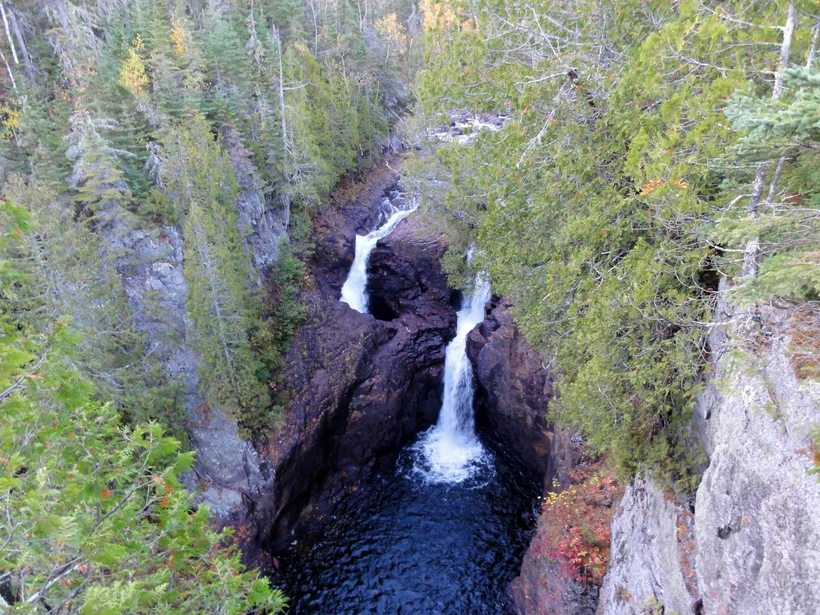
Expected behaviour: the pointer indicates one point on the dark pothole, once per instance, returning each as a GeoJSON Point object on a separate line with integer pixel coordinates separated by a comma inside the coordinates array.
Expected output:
{"type": "Point", "coordinates": [381, 309]}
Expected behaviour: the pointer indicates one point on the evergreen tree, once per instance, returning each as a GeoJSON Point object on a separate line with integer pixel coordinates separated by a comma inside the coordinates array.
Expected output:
{"type": "Point", "coordinates": [590, 207]}
{"type": "Point", "coordinates": [93, 518]}
{"type": "Point", "coordinates": [222, 295]}
{"type": "Point", "coordinates": [784, 131]}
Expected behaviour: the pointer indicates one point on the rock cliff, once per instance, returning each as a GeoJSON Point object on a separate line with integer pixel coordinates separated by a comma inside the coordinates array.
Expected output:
{"type": "Point", "coordinates": [513, 390]}
{"type": "Point", "coordinates": [359, 386]}
{"type": "Point", "coordinates": [752, 544]}
{"type": "Point", "coordinates": [228, 471]}
{"type": "Point", "coordinates": [362, 385]}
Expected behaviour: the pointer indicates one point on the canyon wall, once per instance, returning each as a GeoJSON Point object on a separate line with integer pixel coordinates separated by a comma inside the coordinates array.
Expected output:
{"type": "Point", "coordinates": [362, 386]}
{"type": "Point", "coordinates": [358, 386]}
{"type": "Point", "coordinates": [749, 541]}
{"type": "Point", "coordinates": [514, 388]}
{"type": "Point", "coordinates": [512, 396]}
{"type": "Point", "coordinates": [228, 471]}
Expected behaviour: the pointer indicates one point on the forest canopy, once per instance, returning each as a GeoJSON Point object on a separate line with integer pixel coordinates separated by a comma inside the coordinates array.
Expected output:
{"type": "Point", "coordinates": [649, 150]}
{"type": "Point", "coordinates": [148, 150]}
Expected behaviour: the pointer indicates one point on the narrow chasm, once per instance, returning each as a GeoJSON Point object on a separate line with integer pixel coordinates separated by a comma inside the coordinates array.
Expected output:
{"type": "Point", "coordinates": [408, 471]}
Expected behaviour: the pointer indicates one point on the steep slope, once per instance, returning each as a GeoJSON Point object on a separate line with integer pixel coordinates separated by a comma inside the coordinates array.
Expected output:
{"type": "Point", "coordinates": [753, 542]}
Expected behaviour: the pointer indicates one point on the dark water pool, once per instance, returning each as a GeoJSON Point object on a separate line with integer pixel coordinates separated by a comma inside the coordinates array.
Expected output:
{"type": "Point", "coordinates": [402, 546]}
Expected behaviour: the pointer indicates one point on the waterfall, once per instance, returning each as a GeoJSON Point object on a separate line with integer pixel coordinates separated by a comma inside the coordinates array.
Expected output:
{"type": "Point", "coordinates": [450, 450]}
{"type": "Point", "coordinates": [354, 290]}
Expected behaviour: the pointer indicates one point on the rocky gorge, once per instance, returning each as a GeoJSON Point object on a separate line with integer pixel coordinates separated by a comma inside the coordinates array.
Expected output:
{"type": "Point", "coordinates": [359, 386]}
{"type": "Point", "coordinates": [362, 385]}
{"type": "Point", "coordinates": [409, 307]}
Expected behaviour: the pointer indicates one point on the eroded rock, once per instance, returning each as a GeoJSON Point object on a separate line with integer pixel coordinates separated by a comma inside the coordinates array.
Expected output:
{"type": "Point", "coordinates": [228, 474]}
{"type": "Point", "coordinates": [755, 533]}
{"type": "Point", "coordinates": [362, 387]}
{"type": "Point", "coordinates": [514, 388]}
{"type": "Point", "coordinates": [757, 523]}
{"type": "Point", "coordinates": [651, 554]}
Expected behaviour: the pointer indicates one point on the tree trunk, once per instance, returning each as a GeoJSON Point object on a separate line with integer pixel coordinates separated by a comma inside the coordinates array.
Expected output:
{"type": "Point", "coordinates": [751, 256]}
{"type": "Point", "coordinates": [285, 196]}
{"type": "Point", "coordinates": [8, 69]}
{"type": "Point", "coordinates": [782, 161]}
{"type": "Point", "coordinates": [815, 34]}
{"type": "Point", "coordinates": [14, 20]}
{"type": "Point", "coordinates": [8, 33]}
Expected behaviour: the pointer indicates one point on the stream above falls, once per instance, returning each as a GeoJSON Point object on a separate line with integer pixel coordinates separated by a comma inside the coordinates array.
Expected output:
{"type": "Point", "coordinates": [402, 544]}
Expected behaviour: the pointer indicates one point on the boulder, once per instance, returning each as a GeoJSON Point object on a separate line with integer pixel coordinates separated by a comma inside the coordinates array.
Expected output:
{"type": "Point", "coordinates": [514, 388]}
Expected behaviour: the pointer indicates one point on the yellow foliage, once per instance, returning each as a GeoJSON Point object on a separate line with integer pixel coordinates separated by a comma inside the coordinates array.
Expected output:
{"type": "Point", "coordinates": [179, 36]}
{"type": "Point", "coordinates": [650, 187]}
{"type": "Point", "coordinates": [132, 72]}
{"type": "Point", "coordinates": [392, 31]}
{"type": "Point", "coordinates": [9, 119]}
{"type": "Point", "coordinates": [437, 16]}
{"type": "Point", "coordinates": [301, 49]}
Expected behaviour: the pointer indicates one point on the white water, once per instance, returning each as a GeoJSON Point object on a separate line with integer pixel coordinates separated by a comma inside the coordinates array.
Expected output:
{"type": "Point", "coordinates": [450, 450]}
{"type": "Point", "coordinates": [354, 290]}
{"type": "Point", "coordinates": [465, 131]}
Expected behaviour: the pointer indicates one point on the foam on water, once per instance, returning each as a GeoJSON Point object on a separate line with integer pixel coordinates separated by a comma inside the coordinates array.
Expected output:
{"type": "Point", "coordinates": [451, 451]}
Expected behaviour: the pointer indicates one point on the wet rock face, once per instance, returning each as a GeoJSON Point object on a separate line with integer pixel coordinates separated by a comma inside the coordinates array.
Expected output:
{"type": "Point", "coordinates": [354, 209]}
{"type": "Point", "coordinates": [404, 274]}
{"type": "Point", "coordinates": [513, 391]}
{"type": "Point", "coordinates": [544, 588]}
{"type": "Point", "coordinates": [361, 386]}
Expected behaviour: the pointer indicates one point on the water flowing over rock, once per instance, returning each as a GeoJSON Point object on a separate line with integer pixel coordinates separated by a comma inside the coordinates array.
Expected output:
{"type": "Point", "coordinates": [362, 386]}
{"type": "Point", "coordinates": [354, 290]}
{"type": "Point", "coordinates": [450, 451]}
{"type": "Point", "coordinates": [465, 126]}
{"type": "Point", "coordinates": [514, 388]}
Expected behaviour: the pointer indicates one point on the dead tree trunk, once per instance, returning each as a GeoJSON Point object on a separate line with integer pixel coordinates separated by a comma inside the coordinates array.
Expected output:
{"type": "Point", "coordinates": [751, 255]}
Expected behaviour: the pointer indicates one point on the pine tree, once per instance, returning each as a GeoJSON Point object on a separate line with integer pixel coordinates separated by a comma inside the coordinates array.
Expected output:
{"type": "Point", "coordinates": [93, 516]}
{"type": "Point", "coordinates": [786, 229]}
{"type": "Point", "coordinates": [589, 208]}
{"type": "Point", "coordinates": [222, 295]}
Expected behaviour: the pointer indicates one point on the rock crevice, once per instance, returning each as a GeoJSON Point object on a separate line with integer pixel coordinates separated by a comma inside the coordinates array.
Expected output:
{"type": "Point", "coordinates": [361, 386]}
